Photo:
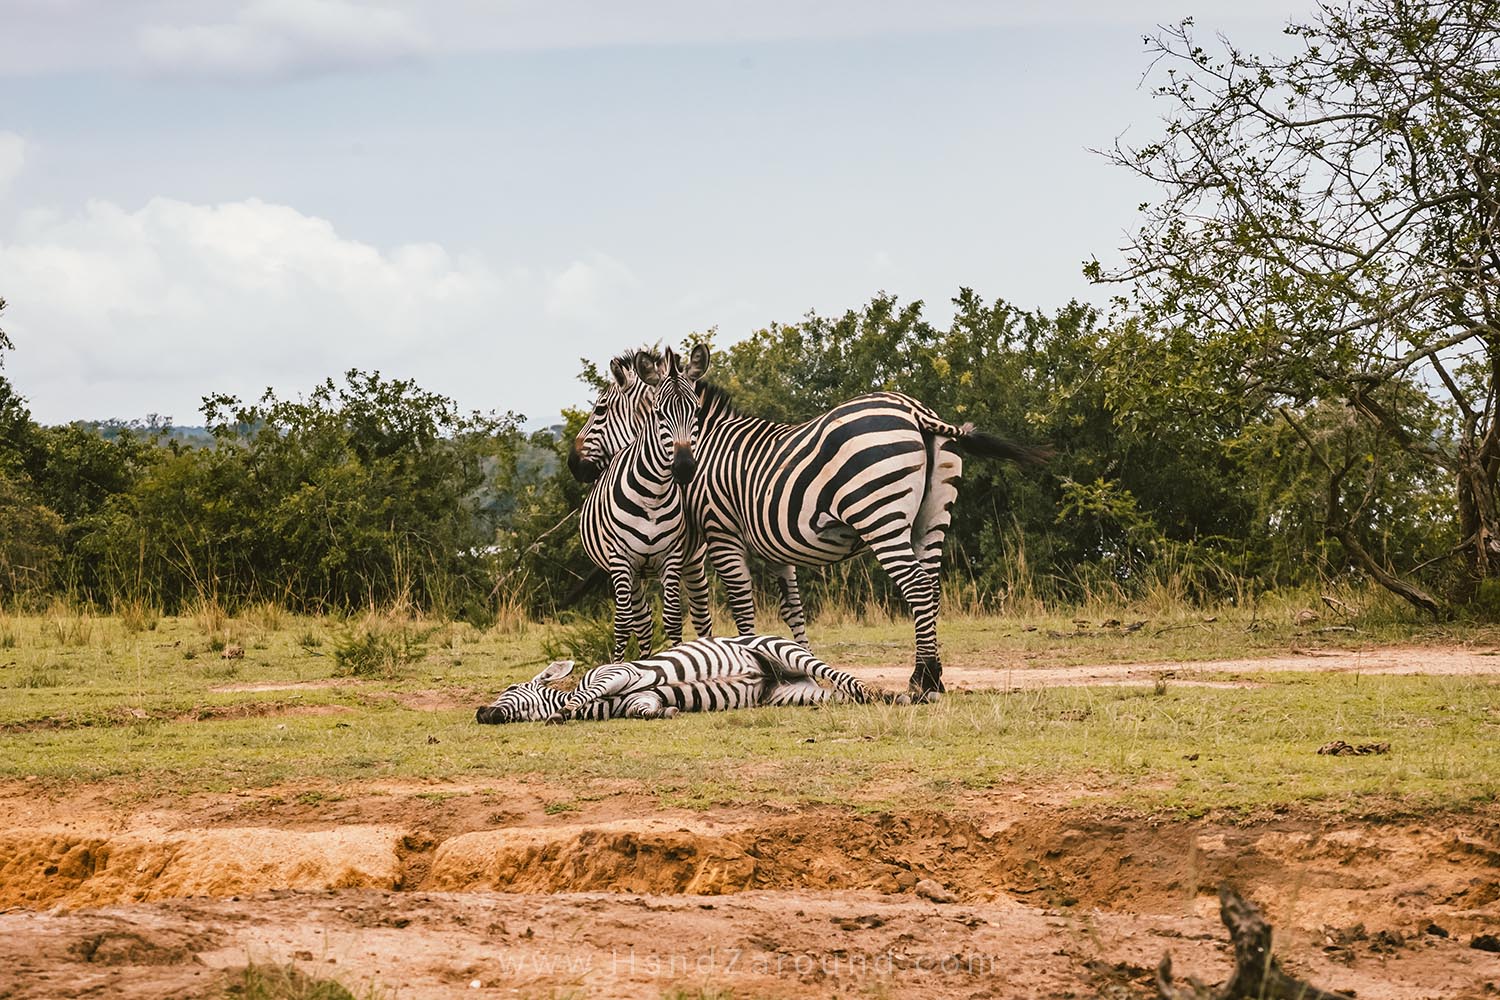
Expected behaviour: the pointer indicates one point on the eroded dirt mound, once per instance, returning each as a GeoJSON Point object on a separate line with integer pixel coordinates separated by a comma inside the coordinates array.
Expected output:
{"type": "Point", "coordinates": [626, 856]}
{"type": "Point", "coordinates": [1308, 872]}
{"type": "Point", "coordinates": [43, 869]}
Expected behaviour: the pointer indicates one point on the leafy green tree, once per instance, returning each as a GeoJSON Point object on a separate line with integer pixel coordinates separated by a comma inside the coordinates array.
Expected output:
{"type": "Point", "coordinates": [366, 491]}
{"type": "Point", "coordinates": [1329, 236]}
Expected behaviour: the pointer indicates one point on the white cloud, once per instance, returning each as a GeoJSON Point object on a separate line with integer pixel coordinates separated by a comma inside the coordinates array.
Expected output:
{"type": "Point", "coordinates": [275, 39]}
{"type": "Point", "coordinates": [121, 313]}
{"type": "Point", "coordinates": [586, 289]}
{"type": "Point", "coordinates": [12, 159]}
{"type": "Point", "coordinates": [259, 40]}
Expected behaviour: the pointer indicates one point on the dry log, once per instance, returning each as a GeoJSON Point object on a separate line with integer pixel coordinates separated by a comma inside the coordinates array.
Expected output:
{"type": "Point", "coordinates": [1257, 974]}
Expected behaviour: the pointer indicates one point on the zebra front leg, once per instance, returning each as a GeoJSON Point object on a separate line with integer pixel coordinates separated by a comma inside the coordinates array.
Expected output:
{"type": "Point", "coordinates": [671, 597]}
{"type": "Point", "coordinates": [623, 583]}
{"type": "Point", "coordinates": [733, 564]}
{"type": "Point", "coordinates": [791, 604]}
{"type": "Point", "coordinates": [695, 589]}
{"type": "Point", "coordinates": [597, 684]}
{"type": "Point", "coordinates": [640, 612]}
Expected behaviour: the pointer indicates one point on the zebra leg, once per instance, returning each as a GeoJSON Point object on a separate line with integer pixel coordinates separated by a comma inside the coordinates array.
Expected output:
{"type": "Point", "coordinates": [791, 604]}
{"type": "Point", "coordinates": [695, 587]}
{"type": "Point", "coordinates": [671, 597]}
{"type": "Point", "coordinates": [641, 617]}
{"type": "Point", "coordinates": [787, 659]}
{"type": "Point", "coordinates": [648, 705]}
{"type": "Point", "coordinates": [804, 691]}
{"type": "Point", "coordinates": [623, 582]}
{"type": "Point", "coordinates": [733, 564]}
{"type": "Point", "coordinates": [930, 528]}
{"type": "Point", "coordinates": [920, 591]}
{"type": "Point", "coordinates": [597, 684]}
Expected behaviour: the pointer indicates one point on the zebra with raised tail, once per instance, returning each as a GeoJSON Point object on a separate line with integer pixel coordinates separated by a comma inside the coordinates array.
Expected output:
{"type": "Point", "coordinates": [705, 675]}
{"type": "Point", "coordinates": [632, 523]}
{"type": "Point", "coordinates": [878, 471]}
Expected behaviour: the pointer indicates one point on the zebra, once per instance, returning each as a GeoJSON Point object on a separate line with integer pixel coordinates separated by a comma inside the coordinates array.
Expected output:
{"type": "Point", "coordinates": [880, 470]}
{"type": "Point", "coordinates": [705, 675]}
{"type": "Point", "coordinates": [632, 522]}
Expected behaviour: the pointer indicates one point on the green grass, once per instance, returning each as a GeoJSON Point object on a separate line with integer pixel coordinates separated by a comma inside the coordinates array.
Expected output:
{"type": "Point", "coordinates": [126, 706]}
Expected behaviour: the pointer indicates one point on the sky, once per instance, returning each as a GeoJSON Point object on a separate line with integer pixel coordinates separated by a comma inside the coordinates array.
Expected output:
{"type": "Point", "coordinates": [225, 196]}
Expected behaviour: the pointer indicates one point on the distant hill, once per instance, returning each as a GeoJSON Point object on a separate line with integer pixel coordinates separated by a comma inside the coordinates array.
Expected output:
{"type": "Point", "coordinates": [150, 428]}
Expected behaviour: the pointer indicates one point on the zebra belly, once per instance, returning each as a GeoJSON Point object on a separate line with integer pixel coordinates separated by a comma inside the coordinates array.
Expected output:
{"type": "Point", "coordinates": [822, 523]}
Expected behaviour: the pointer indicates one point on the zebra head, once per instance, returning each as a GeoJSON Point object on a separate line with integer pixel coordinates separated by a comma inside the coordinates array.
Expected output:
{"type": "Point", "coordinates": [613, 424]}
{"type": "Point", "coordinates": [676, 405]}
{"type": "Point", "coordinates": [535, 700]}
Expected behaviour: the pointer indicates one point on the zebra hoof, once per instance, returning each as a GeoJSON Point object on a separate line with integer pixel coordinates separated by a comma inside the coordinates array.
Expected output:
{"type": "Point", "coordinates": [669, 713]}
{"type": "Point", "coordinates": [556, 720]}
{"type": "Point", "coordinates": [925, 697]}
{"type": "Point", "coordinates": [926, 682]}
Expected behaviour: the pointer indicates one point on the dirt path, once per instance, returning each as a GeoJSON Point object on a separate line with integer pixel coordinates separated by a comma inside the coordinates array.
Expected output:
{"type": "Point", "coordinates": [1446, 661]}
{"type": "Point", "coordinates": [774, 944]}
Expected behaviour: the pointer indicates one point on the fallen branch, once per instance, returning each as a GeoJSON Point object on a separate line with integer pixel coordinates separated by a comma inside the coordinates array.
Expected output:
{"type": "Point", "coordinates": [536, 544]}
{"type": "Point", "coordinates": [1257, 974]}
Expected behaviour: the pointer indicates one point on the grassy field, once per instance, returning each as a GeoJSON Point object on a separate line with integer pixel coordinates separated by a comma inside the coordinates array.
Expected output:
{"type": "Point", "coordinates": [154, 705]}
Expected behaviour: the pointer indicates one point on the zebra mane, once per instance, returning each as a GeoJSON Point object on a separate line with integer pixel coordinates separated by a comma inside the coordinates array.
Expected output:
{"type": "Point", "coordinates": [715, 399]}
{"type": "Point", "coordinates": [627, 358]}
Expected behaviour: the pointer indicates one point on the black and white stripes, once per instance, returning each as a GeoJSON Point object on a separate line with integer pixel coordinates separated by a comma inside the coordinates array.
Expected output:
{"type": "Point", "coordinates": [642, 433]}
{"type": "Point", "coordinates": [880, 470]}
{"type": "Point", "coordinates": [705, 675]}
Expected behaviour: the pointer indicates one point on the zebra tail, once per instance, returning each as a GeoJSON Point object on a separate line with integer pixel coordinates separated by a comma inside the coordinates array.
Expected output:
{"type": "Point", "coordinates": [979, 443]}
{"type": "Point", "coordinates": [983, 445]}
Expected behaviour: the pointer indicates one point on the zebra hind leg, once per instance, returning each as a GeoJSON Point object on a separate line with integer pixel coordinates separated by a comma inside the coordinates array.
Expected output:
{"type": "Point", "coordinates": [787, 660]}
{"type": "Point", "coordinates": [920, 590]}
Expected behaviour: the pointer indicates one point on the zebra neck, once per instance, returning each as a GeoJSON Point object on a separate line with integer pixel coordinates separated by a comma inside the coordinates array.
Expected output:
{"type": "Point", "coordinates": [651, 469]}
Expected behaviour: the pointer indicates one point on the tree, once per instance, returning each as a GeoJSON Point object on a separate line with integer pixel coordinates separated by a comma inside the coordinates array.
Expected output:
{"type": "Point", "coordinates": [1330, 232]}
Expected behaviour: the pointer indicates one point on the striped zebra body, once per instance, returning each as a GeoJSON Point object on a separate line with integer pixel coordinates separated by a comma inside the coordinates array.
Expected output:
{"type": "Point", "coordinates": [705, 675]}
{"type": "Point", "coordinates": [878, 471]}
{"type": "Point", "coordinates": [632, 524]}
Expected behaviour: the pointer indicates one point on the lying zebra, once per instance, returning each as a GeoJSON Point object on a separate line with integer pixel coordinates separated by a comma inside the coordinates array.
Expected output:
{"type": "Point", "coordinates": [705, 675]}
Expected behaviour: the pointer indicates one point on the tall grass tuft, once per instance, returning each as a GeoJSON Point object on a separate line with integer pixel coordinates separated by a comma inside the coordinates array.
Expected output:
{"type": "Point", "coordinates": [137, 615]}
{"type": "Point", "coordinates": [268, 616]}
{"type": "Point", "coordinates": [379, 646]}
{"type": "Point", "coordinates": [589, 639]}
{"type": "Point", "coordinates": [69, 626]}
{"type": "Point", "coordinates": [208, 614]}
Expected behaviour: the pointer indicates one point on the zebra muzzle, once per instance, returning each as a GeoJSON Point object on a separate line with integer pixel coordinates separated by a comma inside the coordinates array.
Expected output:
{"type": "Point", "coordinates": [684, 464]}
{"type": "Point", "coordinates": [584, 470]}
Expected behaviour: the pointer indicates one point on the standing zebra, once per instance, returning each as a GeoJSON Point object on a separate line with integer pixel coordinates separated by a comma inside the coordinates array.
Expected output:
{"type": "Point", "coordinates": [705, 675]}
{"type": "Point", "coordinates": [880, 470]}
{"type": "Point", "coordinates": [632, 522]}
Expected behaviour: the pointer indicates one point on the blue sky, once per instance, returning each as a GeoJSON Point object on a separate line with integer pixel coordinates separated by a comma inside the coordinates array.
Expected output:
{"type": "Point", "coordinates": [221, 196]}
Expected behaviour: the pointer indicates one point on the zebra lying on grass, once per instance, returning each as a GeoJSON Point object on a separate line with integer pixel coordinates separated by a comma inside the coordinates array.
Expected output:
{"type": "Point", "coordinates": [705, 675]}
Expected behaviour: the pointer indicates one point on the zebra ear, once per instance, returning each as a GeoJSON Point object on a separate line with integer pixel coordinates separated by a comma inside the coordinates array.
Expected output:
{"type": "Point", "coordinates": [646, 369]}
{"type": "Point", "coordinates": [618, 369]}
{"type": "Point", "coordinates": [554, 671]}
{"type": "Point", "coordinates": [697, 362]}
